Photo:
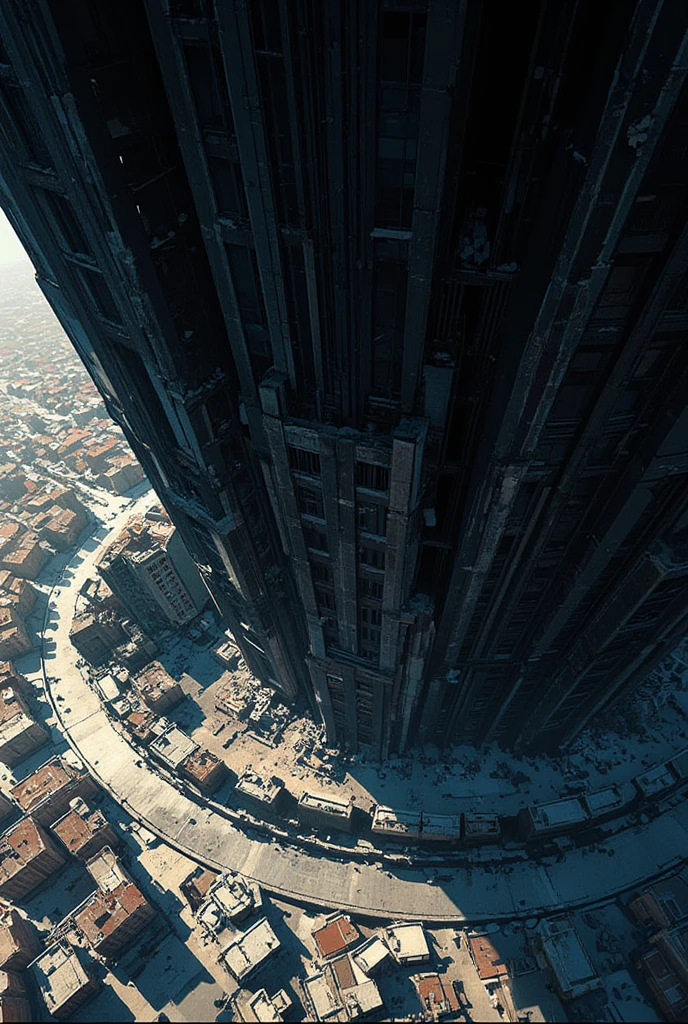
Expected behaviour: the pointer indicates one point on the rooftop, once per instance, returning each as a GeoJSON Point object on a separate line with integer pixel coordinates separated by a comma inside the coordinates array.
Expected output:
{"type": "Point", "coordinates": [371, 954]}
{"type": "Point", "coordinates": [407, 942]}
{"type": "Point", "coordinates": [327, 804]}
{"type": "Point", "coordinates": [487, 960]}
{"type": "Point", "coordinates": [565, 953]}
{"type": "Point", "coordinates": [558, 812]}
{"type": "Point", "coordinates": [19, 845]}
{"type": "Point", "coordinates": [265, 790]}
{"type": "Point", "coordinates": [174, 746]}
{"type": "Point", "coordinates": [478, 824]}
{"type": "Point", "coordinates": [249, 950]}
{"type": "Point", "coordinates": [106, 871]}
{"type": "Point", "coordinates": [387, 819]}
{"type": "Point", "coordinates": [75, 829]}
{"type": "Point", "coordinates": [50, 778]}
{"type": "Point", "coordinates": [105, 912]}
{"type": "Point", "coordinates": [59, 974]}
{"type": "Point", "coordinates": [323, 997]}
{"type": "Point", "coordinates": [336, 935]}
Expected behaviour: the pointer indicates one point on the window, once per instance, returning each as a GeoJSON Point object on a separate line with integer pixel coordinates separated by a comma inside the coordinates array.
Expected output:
{"type": "Point", "coordinates": [372, 477]}
{"type": "Point", "coordinates": [310, 502]}
{"type": "Point", "coordinates": [370, 588]}
{"type": "Point", "coordinates": [304, 461]}
{"type": "Point", "coordinates": [321, 573]}
{"type": "Point", "coordinates": [372, 556]}
{"type": "Point", "coordinates": [372, 616]}
{"type": "Point", "coordinates": [316, 539]}
{"type": "Point", "coordinates": [373, 519]}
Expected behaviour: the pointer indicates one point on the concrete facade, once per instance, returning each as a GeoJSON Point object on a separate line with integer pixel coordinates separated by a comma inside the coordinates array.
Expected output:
{"type": "Point", "coordinates": [411, 381]}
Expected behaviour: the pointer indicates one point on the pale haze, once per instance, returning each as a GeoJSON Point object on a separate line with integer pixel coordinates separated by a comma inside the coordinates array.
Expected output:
{"type": "Point", "coordinates": [11, 249]}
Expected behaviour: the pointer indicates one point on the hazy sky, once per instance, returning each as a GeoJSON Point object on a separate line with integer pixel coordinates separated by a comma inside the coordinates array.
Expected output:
{"type": "Point", "coordinates": [11, 248]}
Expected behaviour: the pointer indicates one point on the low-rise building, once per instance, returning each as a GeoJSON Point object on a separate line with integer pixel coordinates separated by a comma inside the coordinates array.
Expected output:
{"type": "Point", "coordinates": [83, 832]}
{"type": "Point", "coordinates": [20, 733]}
{"type": "Point", "coordinates": [663, 908]}
{"type": "Point", "coordinates": [106, 870]}
{"type": "Point", "coordinates": [111, 919]}
{"type": "Point", "coordinates": [47, 792]}
{"type": "Point", "coordinates": [250, 950]}
{"type": "Point", "coordinates": [655, 781]}
{"type": "Point", "coordinates": [229, 900]}
{"type": "Point", "coordinates": [259, 1007]}
{"type": "Point", "coordinates": [140, 723]}
{"type": "Point", "coordinates": [664, 966]}
{"type": "Point", "coordinates": [436, 995]}
{"type": "Point", "coordinates": [479, 828]}
{"type": "Point", "coordinates": [263, 793]}
{"type": "Point", "coordinates": [228, 654]}
{"type": "Point", "coordinates": [574, 974]}
{"type": "Point", "coordinates": [19, 940]}
{"type": "Point", "coordinates": [324, 811]}
{"type": "Point", "coordinates": [14, 638]}
{"type": "Point", "coordinates": [488, 963]}
{"type": "Point", "coordinates": [27, 858]}
{"type": "Point", "coordinates": [335, 936]}
{"type": "Point", "coordinates": [24, 557]}
{"type": "Point", "coordinates": [17, 592]}
{"type": "Point", "coordinates": [372, 955]}
{"type": "Point", "coordinates": [407, 942]}
{"type": "Point", "coordinates": [321, 998]}
{"type": "Point", "coordinates": [358, 993]}
{"type": "Point", "coordinates": [205, 770]}
{"type": "Point", "coordinates": [62, 979]}
{"type": "Point", "coordinates": [389, 823]}
{"type": "Point", "coordinates": [171, 746]}
{"type": "Point", "coordinates": [157, 689]}
{"type": "Point", "coordinates": [14, 1003]}
{"type": "Point", "coordinates": [196, 886]}
{"type": "Point", "coordinates": [543, 820]}
{"type": "Point", "coordinates": [96, 636]}
{"type": "Point", "coordinates": [664, 903]}
{"type": "Point", "coordinates": [440, 828]}
{"type": "Point", "coordinates": [609, 801]}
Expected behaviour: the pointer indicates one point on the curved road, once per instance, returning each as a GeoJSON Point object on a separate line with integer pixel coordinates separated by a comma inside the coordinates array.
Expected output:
{"type": "Point", "coordinates": [477, 894]}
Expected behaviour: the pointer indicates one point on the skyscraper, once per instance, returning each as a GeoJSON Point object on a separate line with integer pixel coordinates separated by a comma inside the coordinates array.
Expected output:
{"type": "Point", "coordinates": [389, 297]}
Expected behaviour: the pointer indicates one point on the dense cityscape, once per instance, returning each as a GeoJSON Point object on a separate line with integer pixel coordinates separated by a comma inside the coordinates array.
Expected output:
{"type": "Point", "coordinates": [343, 511]}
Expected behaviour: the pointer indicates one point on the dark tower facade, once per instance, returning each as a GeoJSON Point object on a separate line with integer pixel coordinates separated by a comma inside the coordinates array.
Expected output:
{"type": "Point", "coordinates": [390, 299]}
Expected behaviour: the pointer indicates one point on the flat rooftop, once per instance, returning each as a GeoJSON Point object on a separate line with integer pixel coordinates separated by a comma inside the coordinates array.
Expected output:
{"type": "Point", "coordinates": [442, 825]}
{"type": "Point", "coordinates": [104, 913]}
{"type": "Point", "coordinates": [174, 746]}
{"type": "Point", "coordinates": [487, 960]}
{"type": "Point", "coordinates": [106, 871]}
{"type": "Point", "coordinates": [407, 942]}
{"type": "Point", "coordinates": [50, 778]}
{"type": "Point", "coordinates": [387, 819]}
{"type": "Point", "coordinates": [19, 845]}
{"type": "Point", "coordinates": [75, 830]}
{"type": "Point", "coordinates": [564, 950]}
{"type": "Point", "coordinates": [478, 824]}
{"type": "Point", "coordinates": [342, 807]}
{"type": "Point", "coordinates": [558, 812]}
{"type": "Point", "coordinates": [59, 975]}
{"type": "Point", "coordinates": [258, 788]}
{"type": "Point", "coordinates": [249, 950]}
{"type": "Point", "coordinates": [371, 954]}
{"type": "Point", "coordinates": [655, 780]}
{"type": "Point", "coordinates": [323, 997]}
{"type": "Point", "coordinates": [335, 936]}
